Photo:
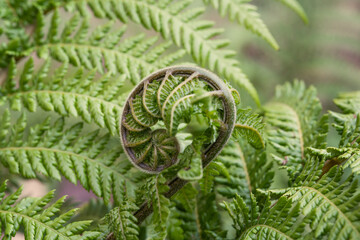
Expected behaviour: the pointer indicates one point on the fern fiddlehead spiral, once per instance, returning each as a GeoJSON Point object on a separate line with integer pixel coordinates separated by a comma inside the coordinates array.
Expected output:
{"type": "Point", "coordinates": [158, 105]}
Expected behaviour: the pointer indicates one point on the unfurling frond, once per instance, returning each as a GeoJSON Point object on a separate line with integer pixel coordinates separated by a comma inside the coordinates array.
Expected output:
{"type": "Point", "coordinates": [180, 25]}
{"type": "Point", "coordinates": [79, 94]}
{"type": "Point", "coordinates": [248, 170]}
{"type": "Point", "coordinates": [249, 126]}
{"type": "Point", "coordinates": [279, 221]}
{"type": "Point", "coordinates": [293, 118]}
{"type": "Point", "coordinates": [244, 14]}
{"type": "Point", "coordinates": [39, 222]}
{"type": "Point", "coordinates": [54, 150]}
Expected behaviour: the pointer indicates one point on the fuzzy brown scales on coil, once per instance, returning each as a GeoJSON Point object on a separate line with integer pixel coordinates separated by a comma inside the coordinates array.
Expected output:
{"type": "Point", "coordinates": [157, 105]}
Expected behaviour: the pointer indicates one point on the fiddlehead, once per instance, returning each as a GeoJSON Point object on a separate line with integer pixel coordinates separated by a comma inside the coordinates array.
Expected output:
{"type": "Point", "coordinates": [161, 102]}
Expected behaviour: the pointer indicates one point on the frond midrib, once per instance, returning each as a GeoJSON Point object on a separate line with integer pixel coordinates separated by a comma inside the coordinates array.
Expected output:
{"type": "Point", "coordinates": [120, 54]}
{"type": "Point", "coordinates": [64, 93]}
{"type": "Point", "coordinates": [242, 158]}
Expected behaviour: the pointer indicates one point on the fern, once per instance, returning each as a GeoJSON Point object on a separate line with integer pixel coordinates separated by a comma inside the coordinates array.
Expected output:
{"type": "Point", "coordinates": [134, 56]}
{"type": "Point", "coordinates": [245, 14]}
{"type": "Point", "coordinates": [278, 221]}
{"type": "Point", "coordinates": [174, 22]}
{"type": "Point", "coordinates": [334, 203]}
{"type": "Point", "coordinates": [249, 126]}
{"type": "Point", "coordinates": [54, 151]}
{"type": "Point", "coordinates": [248, 170]}
{"type": "Point", "coordinates": [347, 125]}
{"type": "Point", "coordinates": [39, 222]}
{"type": "Point", "coordinates": [77, 95]}
{"type": "Point", "coordinates": [155, 187]}
{"type": "Point", "coordinates": [294, 117]}
{"type": "Point", "coordinates": [121, 222]}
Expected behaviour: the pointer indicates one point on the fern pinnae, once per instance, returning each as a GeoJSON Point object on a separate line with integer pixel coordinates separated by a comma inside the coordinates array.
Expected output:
{"type": "Point", "coordinates": [180, 26]}
{"type": "Point", "coordinates": [53, 154]}
{"type": "Point", "coordinates": [39, 222]}
{"type": "Point", "coordinates": [78, 96]}
{"type": "Point", "coordinates": [135, 57]}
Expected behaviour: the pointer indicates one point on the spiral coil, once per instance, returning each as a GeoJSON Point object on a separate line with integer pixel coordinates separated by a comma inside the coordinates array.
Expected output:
{"type": "Point", "coordinates": [156, 106]}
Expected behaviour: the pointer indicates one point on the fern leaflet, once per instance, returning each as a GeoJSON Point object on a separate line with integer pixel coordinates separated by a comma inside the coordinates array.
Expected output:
{"type": "Point", "coordinates": [39, 222]}
{"type": "Point", "coordinates": [54, 151]}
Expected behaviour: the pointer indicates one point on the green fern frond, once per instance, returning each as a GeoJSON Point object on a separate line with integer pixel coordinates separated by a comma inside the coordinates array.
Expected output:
{"type": "Point", "coordinates": [102, 49]}
{"type": "Point", "coordinates": [195, 172]}
{"type": "Point", "coordinates": [38, 221]}
{"type": "Point", "coordinates": [334, 202]}
{"type": "Point", "coordinates": [279, 221]}
{"type": "Point", "coordinates": [349, 102]}
{"type": "Point", "coordinates": [215, 168]}
{"type": "Point", "coordinates": [244, 14]}
{"type": "Point", "coordinates": [249, 126]}
{"type": "Point", "coordinates": [173, 21]}
{"type": "Point", "coordinates": [156, 187]}
{"type": "Point", "coordinates": [297, 8]}
{"type": "Point", "coordinates": [53, 150]}
{"type": "Point", "coordinates": [197, 213]}
{"type": "Point", "coordinates": [79, 95]}
{"type": "Point", "coordinates": [122, 223]}
{"type": "Point", "coordinates": [293, 118]}
{"type": "Point", "coordinates": [248, 170]}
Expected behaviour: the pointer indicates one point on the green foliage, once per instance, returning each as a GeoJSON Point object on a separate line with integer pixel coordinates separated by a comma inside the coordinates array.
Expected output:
{"type": "Point", "coordinates": [293, 118]}
{"type": "Point", "coordinates": [54, 150]}
{"type": "Point", "coordinates": [39, 221]}
{"type": "Point", "coordinates": [63, 121]}
{"type": "Point", "coordinates": [250, 127]}
{"type": "Point", "coordinates": [277, 221]}
{"type": "Point", "coordinates": [121, 221]}
{"type": "Point", "coordinates": [248, 170]}
{"type": "Point", "coordinates": [78, 94]}
{"type": "Point", "coordinates": [180, 25]}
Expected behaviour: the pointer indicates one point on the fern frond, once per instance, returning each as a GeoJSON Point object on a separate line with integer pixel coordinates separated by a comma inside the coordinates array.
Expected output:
{"type": "Point", "coordinates": [249, 126]}
{"type": "Point", "coordinates": [334, 202]}
{"type": "Point", "coordinates": [197, 213]}
{"type": "Point", "coordinates": [293, 118]}
{"type": "Point", "coordinates": [174, 22]}
{"type": "Point", "coordinates": [53, 150]}
{"type": "Point", "coordinates": [122, 223]}
{"type": "Point", "coordinates": [297, 8]}
{"type": "Point", "coordinates": [215, 168]}
{"type": "Point", "coordinates": [248, 170]}
{"type": "Point", "coordinates": [156, 187]}
{"type": "Point", "coordinates": [39, 222]}
{"type": "Point", "coordinates": [103, 49]}
{"type": "Point", "coordinates": [349, 102]}
{"type": "Point", "coordinates": [94, 101]}
{"type": "Point", "coordinates": [244, 14]}
{"type": "Point", "coordinates": [278, 221]}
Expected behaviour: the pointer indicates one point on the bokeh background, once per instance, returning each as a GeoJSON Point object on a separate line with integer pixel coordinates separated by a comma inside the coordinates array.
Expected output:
{"type": "Point", "coordinates": [324, 53]}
